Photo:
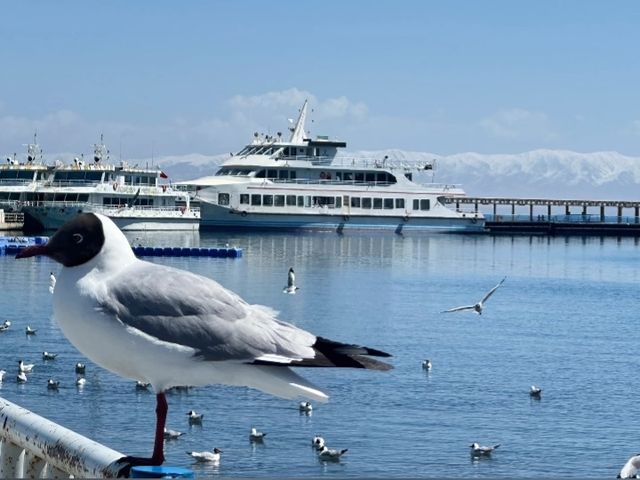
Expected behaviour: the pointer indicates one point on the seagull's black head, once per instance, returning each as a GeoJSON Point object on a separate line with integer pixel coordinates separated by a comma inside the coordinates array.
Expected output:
{"type": "Point", "coordinates": [217, 450]}
{"type": "Point", "coordinates": [75, 243]}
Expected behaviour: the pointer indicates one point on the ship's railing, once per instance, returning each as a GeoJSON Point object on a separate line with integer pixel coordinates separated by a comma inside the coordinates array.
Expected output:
{"type": "Point", "coordinates": [362, 162]}
{"type": "Point", "coordinates": [16, 181]}
{"type": "Point", "coordinates": [440, 187]}
{"type": "Point", "coordinates": [33, 447]}
{"type": "Point", "coordinates": [571, 218]}
{"type": "Point", "coordinates": [116, 207]}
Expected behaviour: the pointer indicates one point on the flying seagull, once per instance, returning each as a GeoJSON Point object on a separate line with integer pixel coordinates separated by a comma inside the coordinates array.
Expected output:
{"type": "Point", "coordinates": [480, 305]}
{"type": "Point", "coordinates": [157, 324]}
{"type": "Point", "coordinates": [291, 283]}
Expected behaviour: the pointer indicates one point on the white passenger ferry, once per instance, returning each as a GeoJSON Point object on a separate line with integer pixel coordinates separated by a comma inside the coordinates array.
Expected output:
{"type": "Point", "coordinates": [302, 183]}
{"type": "Point", "coordinates": [134, 198]}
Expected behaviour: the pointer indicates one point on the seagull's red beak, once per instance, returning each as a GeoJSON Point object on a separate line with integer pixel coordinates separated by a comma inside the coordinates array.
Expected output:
{"type": "Point", "coordinates": [33, 251]}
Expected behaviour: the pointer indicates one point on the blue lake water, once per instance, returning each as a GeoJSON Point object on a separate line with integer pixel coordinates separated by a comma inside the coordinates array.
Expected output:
{"type": "Point", "coordinates": [565, 319]}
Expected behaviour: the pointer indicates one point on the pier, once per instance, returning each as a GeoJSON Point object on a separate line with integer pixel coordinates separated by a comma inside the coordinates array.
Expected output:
{"type": "Point", "coordinates": [546, 216]}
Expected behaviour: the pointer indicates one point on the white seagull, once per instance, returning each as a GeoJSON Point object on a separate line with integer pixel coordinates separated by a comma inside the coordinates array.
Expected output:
{"type": "Point", "coordinates": [477, 450]}
{"type": "Point", "coordinates": [305, 407]}
{"type": "Point", "coordinates": [142, 385]}
{"type": "Point", "coordinates": [195, 418]}
{"type": "Point", "coordinates": [426, 364]}
{"type": "Point", "coordinates": [80, 368]}
{"type": "Point", "coordinates": [22, 377]}
{"type": "Point", "coordinates": [535, 391]}
{"type": "Point", "coordinates": [318, 442]}
{"type": "Point", "coordinates": [256, 436]}
{"type": "Point", "coordinates": [25, 367]}
{"type": "Point", "coordinates": [158, 324]}
{"type": "Point", "coordinates": [630, 469]}
{"type": "Point", "coordinates": [49, 356]}
{"type": "Point", "coordinates": [327, 453]}
{"type": "Point", "coordinates": [291, 283]}
{"type": "Point", "coordinates": [2, 372]}
{"type": "Point", "coordinates": [52, 282]}
{"type": "Point", "coordinates": [80, 382]}
{"type": "Point", "coordinates": [5, 325]}
{"type": "Point", "coordinates": [480, 305]}
{"type": "Point", "coordinates": [53, 384]}
{"type": "Point", "coordinates": [30, 331]}
{"type": "Point", "coordinates": [211, 457]}
{"type": "Point", "coordinates": [171, 434]}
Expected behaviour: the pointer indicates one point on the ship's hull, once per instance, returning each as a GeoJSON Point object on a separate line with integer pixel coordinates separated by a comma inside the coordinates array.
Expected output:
{"type": "Point", "coordinates": [52, 218]}
{"type": "Point", "coordinates": [215, 216]}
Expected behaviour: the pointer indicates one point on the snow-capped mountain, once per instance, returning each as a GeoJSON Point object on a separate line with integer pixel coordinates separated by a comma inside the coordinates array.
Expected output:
{"type": "Point", "coordinates": [539, 173]}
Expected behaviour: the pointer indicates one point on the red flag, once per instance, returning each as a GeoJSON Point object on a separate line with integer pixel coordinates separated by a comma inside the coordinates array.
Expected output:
{"type": "Point", "coordinates": [163, 175]}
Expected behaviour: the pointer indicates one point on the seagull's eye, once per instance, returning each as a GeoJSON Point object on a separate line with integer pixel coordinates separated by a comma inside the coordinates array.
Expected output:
{"type": "Point", "coordinates": [78, 238]}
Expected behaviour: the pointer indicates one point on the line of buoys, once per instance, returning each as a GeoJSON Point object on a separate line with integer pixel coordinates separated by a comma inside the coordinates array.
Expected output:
{"type": "Point", "coordinates": [224, 252]}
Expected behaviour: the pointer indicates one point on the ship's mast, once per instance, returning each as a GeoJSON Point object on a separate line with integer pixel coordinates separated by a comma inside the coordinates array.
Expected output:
{"type": "Point", "coordinates": [297, 135]}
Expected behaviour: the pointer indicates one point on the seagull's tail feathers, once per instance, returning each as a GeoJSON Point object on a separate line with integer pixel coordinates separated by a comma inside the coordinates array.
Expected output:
{"type": "Point", "coordinates": [285, 383]}
{"type": "Point", "coordinates": [496, 446]}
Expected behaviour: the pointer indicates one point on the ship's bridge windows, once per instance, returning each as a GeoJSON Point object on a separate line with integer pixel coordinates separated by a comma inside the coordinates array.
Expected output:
{"type": "Point", "coordinates": [359, 177]}
{"type": "Point", "coordinates": [223, 171]}
{"type": "Point", "coordinates": [223, 198]}
{"type": "Point", "coordinates": [78, 176]}
{"type": "Point", "coordinates": [370, 177]}
{"type": "Point", "coordinates": [244, 199]}
{"type": "Point", "coordinates": [244, 151]}
{"type": "Point", "coordinates": [256, 199]}
{"type": "Point", "coordinates": [16, 175]}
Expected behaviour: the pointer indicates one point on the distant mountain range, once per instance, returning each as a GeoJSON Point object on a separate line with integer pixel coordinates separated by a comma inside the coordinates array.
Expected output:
{"type": "Point", "coordinates": [539, 173]}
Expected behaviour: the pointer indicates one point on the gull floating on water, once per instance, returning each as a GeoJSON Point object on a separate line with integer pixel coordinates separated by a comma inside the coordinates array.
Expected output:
{"type": "Point", "coordinates": [535, 391]}
{"type": "Point", "coordinates": [81, 381]}
{"type": "Point", "coordinates": [142, 385]}
{"type": "Point", "coordinates": [49, 356]}
{"type": "Point", "coordinates": [256, 436]}
{"type": "Point", "coordinates": [53, 384]}
{"type": "Point", "coordinates": [630, 469]}
{"type": "Point", "coordinates": [80, 368]}
{"type": "Point", "coordinates": [480, 305]}
{"type": "Point", "coordinates": [291, 283]}
{"type": "Point", "coordinates": [158, 324]}
{"type": "Point", "coordinates": [25, 367]}
{"type": "Point", "coordinates": [327, 453]}
{"type": "Point", "coordinates": [30, 331]}
{"type": "Point", "coordinates": [426, 364]}
{"type": "Point", "coordinates": [211, 457]}
{"type": "Point", "coordinates": [318, 442]}
{"type": "Point", "coordinates": [22, 377]}
{"type": "Point", "coordinates": [195, 418]}
{"type": "Point", "coordinates": [305, 407]}
{"type": "Point", "coordinates": [172, 434]}
{"type": "Point", "coordinates": [2, 372]}
{"type": "Point", "coordinates": [52, 282]}
{"type": "Point", "coordinates": [5, 326]}
{"type": "Point", "coordinates": [478, 450]}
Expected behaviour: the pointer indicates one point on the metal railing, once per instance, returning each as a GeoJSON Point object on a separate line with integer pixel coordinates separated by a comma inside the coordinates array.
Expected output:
{"type": "Point", "coordinates": [571, 218]}
{"type": "Point", "coordinates": [33, 447]}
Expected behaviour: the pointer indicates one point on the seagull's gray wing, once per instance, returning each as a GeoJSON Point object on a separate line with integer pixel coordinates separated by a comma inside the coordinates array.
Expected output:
{"type": "Point", "coordinates": [459, 309]}
{"type": "Point", "coordinates": [197, 312]}
{"type": "Point", "coordinates": [486, 297]}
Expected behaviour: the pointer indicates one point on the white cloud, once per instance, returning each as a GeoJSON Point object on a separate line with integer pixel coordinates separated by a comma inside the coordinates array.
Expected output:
{"type": "Point", "coordinates": [517, 124]}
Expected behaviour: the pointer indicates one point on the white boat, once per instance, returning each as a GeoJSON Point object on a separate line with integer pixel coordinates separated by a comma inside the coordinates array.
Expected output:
{"type": "Point", "coordinates": [134, 198]}
{"type": "Point", "coordinates": [303, 183]}
{"type": "Point", "coordinates": [17, 177]}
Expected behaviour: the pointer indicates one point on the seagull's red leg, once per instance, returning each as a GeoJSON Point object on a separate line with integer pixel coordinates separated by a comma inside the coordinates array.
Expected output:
{"type": "Point", "coordinates": [158, 446]}
{"type": "Point", "coordinates": [161, 419]}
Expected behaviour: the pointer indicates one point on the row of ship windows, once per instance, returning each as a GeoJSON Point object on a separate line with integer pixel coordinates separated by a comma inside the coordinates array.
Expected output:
{"type": "Point", "coordinates": [320, 201]}
{"type": "Point", "coordinates": [340, 176]}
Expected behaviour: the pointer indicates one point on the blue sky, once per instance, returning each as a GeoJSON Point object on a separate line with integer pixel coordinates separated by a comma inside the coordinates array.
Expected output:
{"type": "Point", "coordinates": [201, 76]}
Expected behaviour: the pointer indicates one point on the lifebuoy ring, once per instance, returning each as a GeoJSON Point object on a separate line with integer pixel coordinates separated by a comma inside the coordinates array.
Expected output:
{"type": "Point", "coordinates": [345, 218]}
{"type": "Point", "coordinates": [244, 213]}
{"type": "Point", "coordinates": [115, 186]}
